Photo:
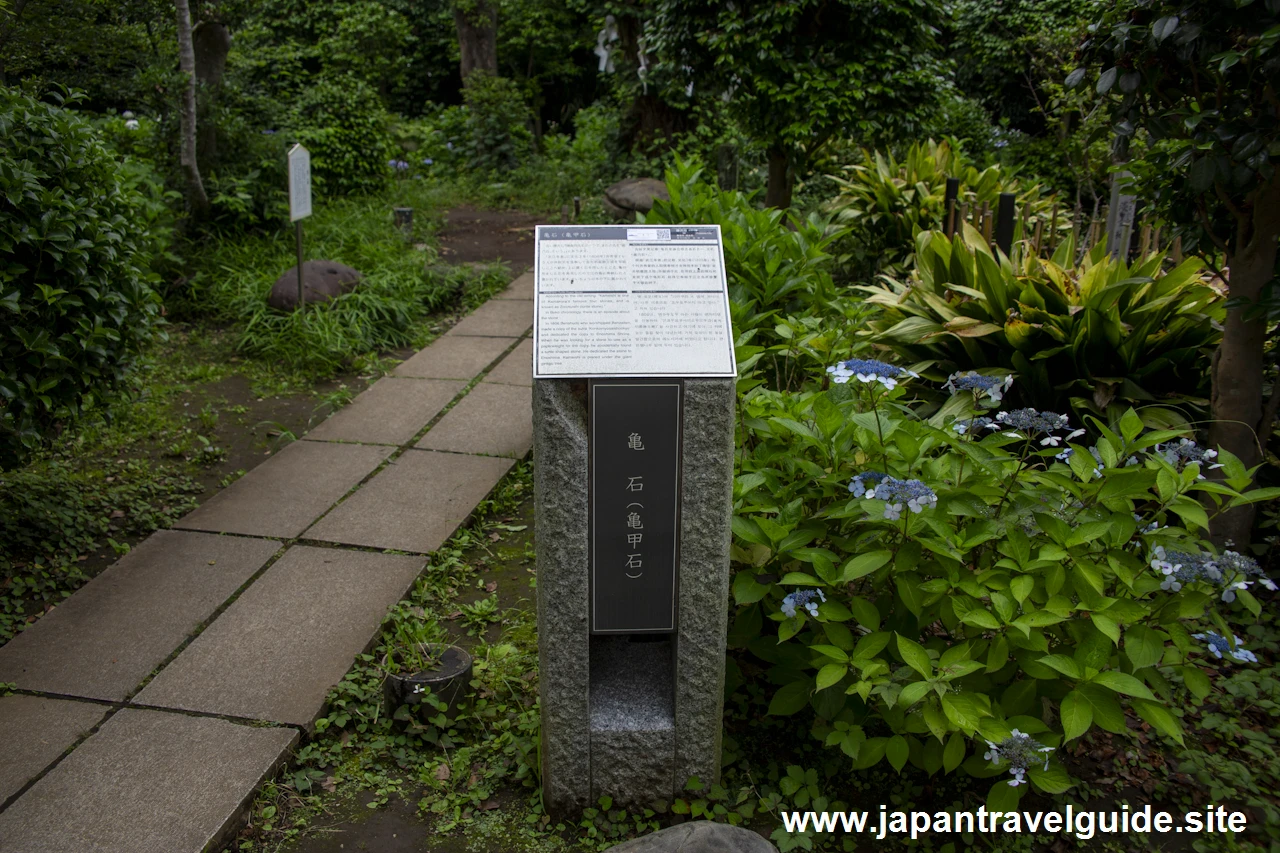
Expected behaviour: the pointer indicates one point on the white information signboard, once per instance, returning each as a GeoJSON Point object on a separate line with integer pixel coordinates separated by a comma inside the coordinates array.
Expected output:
{"type": "Point", "coordinates": [631, 300]}
{"type": "Point", "coordinates": [299, 183]}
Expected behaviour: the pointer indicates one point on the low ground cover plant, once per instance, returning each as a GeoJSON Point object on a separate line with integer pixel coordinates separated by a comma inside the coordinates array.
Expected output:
{"type": "Point", "coordinates": [976, 589]}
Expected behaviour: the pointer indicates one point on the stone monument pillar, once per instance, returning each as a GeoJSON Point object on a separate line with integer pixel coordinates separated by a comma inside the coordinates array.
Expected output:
{"type": "Point", "coordinates": [632, 492]}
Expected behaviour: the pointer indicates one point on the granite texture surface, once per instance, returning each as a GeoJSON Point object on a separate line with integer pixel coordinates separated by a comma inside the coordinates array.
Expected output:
{"type": "Point", "coordinates": [706, 508]}
{"type": "Point", "coordinates": [699, 836]}
{"type": "Point", "coordinates": [560, 519]}
{"type": "Point", "coordinates": [616, 719]}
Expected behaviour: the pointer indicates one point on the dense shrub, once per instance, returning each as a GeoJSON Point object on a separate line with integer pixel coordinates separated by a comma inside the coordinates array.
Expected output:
{"type": "Point", "coordinates": [79, 232]}
{"type": "Point", "coordinates": [1095, 337]}
{"type": "Point", "coordinates": [926, 587]}
{"type": "Point", "coordinates": [886, 202]}
{"type": "Point", "coordinates": [342, 122]}
{"type": "Point", "coordinates": [498, 137]}
{"type": "Point", "coordinates": [781, 293]}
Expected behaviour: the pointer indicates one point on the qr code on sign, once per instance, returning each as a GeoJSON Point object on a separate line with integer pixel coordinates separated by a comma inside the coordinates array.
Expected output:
{"type": "Point", "coordinates": [664, 233]}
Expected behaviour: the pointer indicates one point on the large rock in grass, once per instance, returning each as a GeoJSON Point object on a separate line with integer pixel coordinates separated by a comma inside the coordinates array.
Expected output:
{"type": "Point", "coordinates": [628, 197]}
{"type": "Point", "coordinates": [700, 836]}
{"type": "Point", "coordinates": [321, 282]}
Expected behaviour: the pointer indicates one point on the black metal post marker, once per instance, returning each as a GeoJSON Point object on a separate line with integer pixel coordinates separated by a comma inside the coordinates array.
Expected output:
{"type": "Point", "coordinates": [1005, 216]}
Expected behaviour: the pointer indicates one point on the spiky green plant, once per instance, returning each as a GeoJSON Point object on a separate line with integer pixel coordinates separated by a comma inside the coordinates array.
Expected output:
{"type": "Point", "coordinates": [886, 202]}
{"type": "Point", "coordinates": [1096, 337]}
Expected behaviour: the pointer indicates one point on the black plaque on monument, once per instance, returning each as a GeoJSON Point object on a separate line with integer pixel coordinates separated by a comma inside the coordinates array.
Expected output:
{"type": "Point", "coordinates": [635, 504]}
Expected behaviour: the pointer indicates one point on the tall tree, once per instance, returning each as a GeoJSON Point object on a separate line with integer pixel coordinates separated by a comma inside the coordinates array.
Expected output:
{"type": "Point", "coordinates": [477, 25]}
{"type": "Point", "coordinates": [800, 72]}
{"type": "Point", "coordinates": [1199, 78]}
{"type": "Point", "coordinates": [197, 200]}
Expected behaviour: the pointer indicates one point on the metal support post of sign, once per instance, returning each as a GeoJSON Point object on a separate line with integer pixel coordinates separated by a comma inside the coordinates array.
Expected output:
{"type": "Point", "coordinates": [299, 204]}
{"type": "Point", "coordinates": [302, 302]}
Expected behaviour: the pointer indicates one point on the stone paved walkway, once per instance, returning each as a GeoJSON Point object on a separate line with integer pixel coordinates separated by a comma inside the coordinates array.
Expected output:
{"type": "Point", "coordinates": [154, 701]}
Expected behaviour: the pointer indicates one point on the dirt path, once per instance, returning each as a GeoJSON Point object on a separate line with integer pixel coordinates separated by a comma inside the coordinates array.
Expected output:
{"type": "Point", "coordinates": [475, 236]}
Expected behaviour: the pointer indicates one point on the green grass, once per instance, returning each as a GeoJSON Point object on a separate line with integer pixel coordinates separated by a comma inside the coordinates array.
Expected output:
{"type": "Point", "coordinates": [403, 285]}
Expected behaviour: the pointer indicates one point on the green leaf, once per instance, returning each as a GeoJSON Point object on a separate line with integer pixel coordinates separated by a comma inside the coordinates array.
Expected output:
{"type": "Point", "coordinates": [1063, 664]}
{"type": "Point", "coordinates": [1106, 81]}
{"type": "Point", "coordinates": [915, 656]}
{"type": "Point", "coordinates": [1160, 719]}
{"type": "Point", "coordinates": [1077, 715]}
{"type": "Point", "coordinates": [748, 590]}
{"type": "Point", "coordinates": [1143, 646]}
{"type": "Point", "coordinates": [865, 613]}
{"type": "Point", "coordinates": [1003, 797]}
{"type": "Point", "coordinates": [1123, 683]}
{"type": "Point", "coordinates": [1197, 682]}
{"type": "Point", "coordinates": [1191, 512]}
{"type": "Point", "coordinates": [1164, 27]}
{"type": "Point", "coordinates": [912, 693]}
{"type": "Point", "coordinates": [832, 652]}
{"type": "Point", "coordinates": [790, 698]}
{"type": "Point", "coordinates": [963, 710]}
{"type": "Point", "coordinates": [831, 674]}
{"type": "Point", "coordinates": [1107, 712]}
{"type": "Point", "coordinates": [1055, 780]}
{"type": "Point", "coordinates": [953, 755]}
{"type": "Point", "coordinates": [863, 564]}
{"type": "Point", "coordinates": [897, 752]}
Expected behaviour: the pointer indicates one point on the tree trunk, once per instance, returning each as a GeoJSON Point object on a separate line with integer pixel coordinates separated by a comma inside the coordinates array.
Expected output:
{"type": "Point", "coordinates": [197, 201]}
{"type": "Point", "coordinates": [211, 42]}
{"type": "Point", "coordinates": [1237, 367]}
{"type": "Point", "coordinates": [477, 37]}
{"type": "Point", "coordinates": [778, 191]}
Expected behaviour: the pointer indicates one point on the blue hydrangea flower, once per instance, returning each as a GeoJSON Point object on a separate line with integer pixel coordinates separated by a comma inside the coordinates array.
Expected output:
{"type": "Point", "coordinates": [398, 165]}
{"type": "Point", "coordinates": [428, 161]}
{"type": "Point", "coordinates": [991, 387]}
{"type": "Point", "coordinates": [864, 485]}
{"type": "Point", "coordinates": [1187, 452]}
{"type": "Point", "coordinates": [1021, 751]}
{"type": "Point", "coordinates": [1230, 571]}
{"type": "Point", "coordinates": [869, 370]}
{"type": "Point", "coordinates": [894, 492]}
{"type": "Point", "coordinates": [963, 427]}
{"type": "Point", "coordinates": [1217, 644]}
{"type": "Point", "coordinates": [1035, 424]}
{"type": "Point", "coordinates": [802, 598]}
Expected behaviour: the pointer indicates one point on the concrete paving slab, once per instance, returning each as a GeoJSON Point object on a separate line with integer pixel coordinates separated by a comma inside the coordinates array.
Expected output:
{"type": "Point", "coordinates": [509, 318]}
{"type": "Point", "coordinates": [275, 652]}
{"type": "Point", "coordinates": [146, 782]}
{"type": "Point", "coordinates": [104, 640]}
{"type": "Point", "coordinates": [392, 411]}
{"type": "Point", "coordinates": [285, 494]}
{"type": "Point", "coordinates": [496, 420]}
{"type": "Point", "coordinates": [35, 731]}
{"type": "Point", "coordinates": [454, 358]}
{"type": "Point", "coordinates": [521, 288]}
{"type": "Point", "coordinates": [516, 368]}
{"type": "Point", "coordinates": [414, 504]}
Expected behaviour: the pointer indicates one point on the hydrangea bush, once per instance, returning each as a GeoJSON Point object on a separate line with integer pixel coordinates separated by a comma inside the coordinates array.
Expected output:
{"type": "Point", "coordinates": [973, 589]}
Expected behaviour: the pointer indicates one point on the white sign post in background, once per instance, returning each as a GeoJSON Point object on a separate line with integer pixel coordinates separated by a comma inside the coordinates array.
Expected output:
{"type": "Point", "coordinates": [299, 202]}
{"type": "Point", "coordinates": [631, 301]}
